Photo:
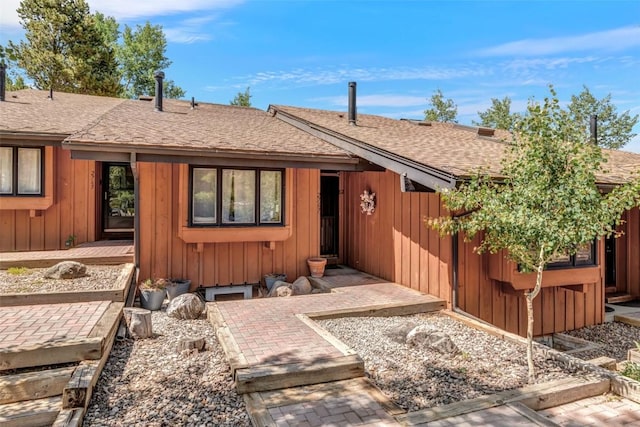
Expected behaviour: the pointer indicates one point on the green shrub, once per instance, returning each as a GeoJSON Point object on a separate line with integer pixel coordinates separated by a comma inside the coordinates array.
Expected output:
{"type": "Point", "coordinates": [632, 370]}
{"type": "Point", "coordinates": [17, 271]}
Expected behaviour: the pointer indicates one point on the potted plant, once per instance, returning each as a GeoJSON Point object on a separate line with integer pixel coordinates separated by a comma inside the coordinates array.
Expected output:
{"type": "Point", "coordinates": [177, 287]}
{"type": "Point", "coordinates": [316, 266]}
{"type": "Point", "coordinates": [271, 279]}
{"type": "Point", "coordinates": [152, 293]}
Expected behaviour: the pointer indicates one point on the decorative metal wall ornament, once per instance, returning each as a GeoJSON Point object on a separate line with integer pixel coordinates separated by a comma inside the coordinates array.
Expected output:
{"type": "Point", "coordinates": [368, 202]}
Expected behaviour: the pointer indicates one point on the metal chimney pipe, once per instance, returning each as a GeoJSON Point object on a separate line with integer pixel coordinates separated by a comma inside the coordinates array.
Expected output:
{"type": "Point", "coordinates": [352, 103]}
{"type": "Point", "coordinates": [593, 127]}
{"type": "Point", "coordinates": [159, 76]}
{"type": "Point", "coordinates": [3, 77]}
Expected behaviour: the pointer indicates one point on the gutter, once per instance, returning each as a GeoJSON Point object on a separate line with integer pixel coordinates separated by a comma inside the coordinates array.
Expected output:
{"type": "Point", "coordinates": [136, 217]}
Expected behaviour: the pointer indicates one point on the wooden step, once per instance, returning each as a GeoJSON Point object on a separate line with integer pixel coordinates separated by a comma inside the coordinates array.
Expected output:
{"type": "Point", "coordinates": [619, 297]}
{"type": "Point", "coordinates": [33, 413]}
{"type": "Point", "coordinates": [34, 385]}
{"type": "Point", "coordinates": [51, 353]}
{"type": "Point", "coordinates": [610, 289]}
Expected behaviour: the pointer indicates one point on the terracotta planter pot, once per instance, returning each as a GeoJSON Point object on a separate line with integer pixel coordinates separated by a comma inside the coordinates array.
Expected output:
{"type": "Point", "coordinates": [316, 266]}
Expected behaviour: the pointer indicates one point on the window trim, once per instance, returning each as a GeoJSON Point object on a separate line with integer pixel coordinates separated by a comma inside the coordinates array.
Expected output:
{"type": "Point", "coordinates": [16, 172]}
{"type": "Point", "coordinates": [198, 236]}
{"type": "Point", "coordinates": [34, 203]}
{"type": "Point", "coordinates": [573, 260]}
{"type": "Point", "coordinates": [219, 223]}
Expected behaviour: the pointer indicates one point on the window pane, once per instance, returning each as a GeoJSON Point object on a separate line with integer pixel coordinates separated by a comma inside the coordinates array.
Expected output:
{"type": "Point", "coordinates": [270, 197]}
{"type": "Point", "coordinates": [204, 195]}
{"type": "Point", "coordinates": [6, 170]}
{"type": "Point", "coordinates": [584, 255]}
{"type": "Point", "coordinates": [560, 259]}
{"type": "Point", "coordinates": [238, 196]}
{"type": "Point", "coordinates": [29, 169]}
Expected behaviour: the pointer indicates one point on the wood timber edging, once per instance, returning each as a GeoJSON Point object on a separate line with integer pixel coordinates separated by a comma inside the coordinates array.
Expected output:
{"type": "Point", "coordinates": [535, 397]}
{"type": "Point", "coordinates": [620, 385]}
{"type": "Point", "coordinates": [234, 356]}
{"type": "Point", "coordinates": [33, 385]}
{"type": "Point", "coordinates": [51, 353]}
{"type": "Point", "coordinates": [117, 294]}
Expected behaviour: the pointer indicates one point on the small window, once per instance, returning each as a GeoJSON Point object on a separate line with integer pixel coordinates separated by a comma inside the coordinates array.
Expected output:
{"type": "Point", "coordinates": [585, 256]}
{"type": "Point", "coordinates": [228, 197]}
{"type": "Point", "coordinates": [21, 171]}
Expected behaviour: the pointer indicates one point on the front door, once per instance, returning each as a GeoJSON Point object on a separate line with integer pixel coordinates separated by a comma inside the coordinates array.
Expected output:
{"type": "Point", "coordinates": [117, 201]}
{"type": "Point", "coordinates": [610, 261]}
{"type": "Point", "coordinates": [329, 218]}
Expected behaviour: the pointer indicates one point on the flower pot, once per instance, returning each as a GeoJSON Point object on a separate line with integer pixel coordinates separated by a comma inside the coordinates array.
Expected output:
{"type": "Point", "coordinates": [178, 287]}
{"type": "Point", "coordinates": [152, 299]}
{"type": "Point", "coordinates": [271, 279]}
{"type": "Point", "coordinates": [316, 266]}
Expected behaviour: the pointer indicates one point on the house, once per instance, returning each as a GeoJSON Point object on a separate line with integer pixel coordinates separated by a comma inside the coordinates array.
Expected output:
{"type": "Point", "coordinates": [224, 195]}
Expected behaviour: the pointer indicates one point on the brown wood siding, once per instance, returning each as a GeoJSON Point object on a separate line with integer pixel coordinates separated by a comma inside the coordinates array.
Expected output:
{"type": "Point", "coordinates": [394, 242]}
{"type": "Point", "coordinates": [556, 309]}
{"type": "Point", "coordinates": [72, 211]}
{"type": "Point", "coordinates": [628, 256]}
{"type": "Point", "coordinates": [164, 254]}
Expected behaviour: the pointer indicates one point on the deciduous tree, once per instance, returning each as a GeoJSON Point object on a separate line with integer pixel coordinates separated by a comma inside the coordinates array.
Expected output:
{"type": "Point", "coordinates": [614, 130]}
{"type": "Point", "coordinates": [242, 99]}
{"type": "Point", "coordinates": [442, 110]}
{"type": "Point", "coordinates": [497, 116]}
{"type": "Point", "coordinates": [142, 53]}
{"type": "Point", "coordinates": [547, 205]}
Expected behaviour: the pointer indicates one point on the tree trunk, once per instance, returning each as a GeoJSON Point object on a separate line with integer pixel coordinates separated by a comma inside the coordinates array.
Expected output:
{"type": "Point", "coordinates": [138, 322]}
{"type": "Point", "coordinates": [530, 297]}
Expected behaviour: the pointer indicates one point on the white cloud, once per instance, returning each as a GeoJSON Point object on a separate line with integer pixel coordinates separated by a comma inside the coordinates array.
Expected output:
{"type": "Point", "coordinates": [125, 9]}
{"type": "Point", "coordinates": [617, 39]}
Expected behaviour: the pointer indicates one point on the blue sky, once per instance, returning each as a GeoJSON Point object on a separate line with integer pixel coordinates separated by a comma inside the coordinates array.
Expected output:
{"type": "Point", "coordinates": [303, 53]}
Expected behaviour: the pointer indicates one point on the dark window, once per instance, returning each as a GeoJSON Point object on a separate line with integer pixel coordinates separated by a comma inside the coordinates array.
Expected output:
{"type": "Point", "coordinates": [21, 171]}
{"type": "Point", "coordinates": [227, 197]}
{"type": "Point", "coordinates": [585, 256]}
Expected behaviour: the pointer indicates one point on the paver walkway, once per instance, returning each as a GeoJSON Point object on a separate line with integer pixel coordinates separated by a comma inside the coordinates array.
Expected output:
{"type": "Point", "coordinates": [99, 252]}
{"type": "Point", "coordinates": [596, 411]}
{"type": "Point", "coordinates": [38, 324]}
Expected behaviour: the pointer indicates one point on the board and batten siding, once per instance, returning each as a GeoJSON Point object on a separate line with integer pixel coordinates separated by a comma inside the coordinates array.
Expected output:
{"type": "Point", "coordinates": [628, 254]}
{"type": "Point", "coordinates": [394, 243]}
{"type": "Point", "coordinates": [72, 213]}
{"type": "Point", "coordinates": [164, 254]}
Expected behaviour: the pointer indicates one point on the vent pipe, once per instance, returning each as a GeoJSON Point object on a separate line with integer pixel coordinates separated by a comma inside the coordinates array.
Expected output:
{"type": "Point", "coordinates": [352, 103]}
{"type": "Point", "coordinates": [3, 77]}
{"type": "Point", "coordinates": [593, 127]}
{"type": "Point", "coordinates": [159, 76]}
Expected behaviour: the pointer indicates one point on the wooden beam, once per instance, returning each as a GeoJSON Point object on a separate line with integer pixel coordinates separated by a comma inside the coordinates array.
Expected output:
{"type": "Point", "coordinates": [33, 385]}
{"type": "Point", "coordinates": [41, 412]}
{"type": "Point", "coordinates": [582, 289]}
{"type": "Point", "coordinates": [383, 310]}
{"type": "Point", "coordinates": [51, 353]}
{"type": "Point", "coordinates": [273, 377]}
{"type": "Point", "coordinates": [69, 418]}
{"type": "Point", "coordinates": [65, 297]}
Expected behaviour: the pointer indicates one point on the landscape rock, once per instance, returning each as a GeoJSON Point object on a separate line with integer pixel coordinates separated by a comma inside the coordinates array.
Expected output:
{"type": "Point", "coordinates": [66, 270]}
{"type": "Point", "coordinates": [398, 333]}
{"type": "Point", "coordinates": [426, 336]}
{"type": "Point", "coordinates": [283, 291]}
{"type": "Point", "coordinates": [276, 285]}
{"type": "Point", "coordinates": [301, 286]}
{"type": "Point", "coordinates": [186, 307]}
{"type": "Point", "coordinates": [191, 343]}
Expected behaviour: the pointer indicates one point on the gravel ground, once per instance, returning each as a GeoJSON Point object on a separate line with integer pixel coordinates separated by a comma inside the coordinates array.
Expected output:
{"type": "Point", "coordinates": [416, 378]}
{"type": "Point", "coordinates": [616, 339]}
{"type": "Point", "coordinates": [148, 383]}
{"type": "Point", "coordinates": [32, 280]}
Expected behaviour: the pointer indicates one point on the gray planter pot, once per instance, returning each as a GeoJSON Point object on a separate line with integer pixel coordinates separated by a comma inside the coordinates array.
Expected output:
{"type": "Point", "coordinates": [152, 299]}
{"type": "Point", "coordinates": [178, 287]}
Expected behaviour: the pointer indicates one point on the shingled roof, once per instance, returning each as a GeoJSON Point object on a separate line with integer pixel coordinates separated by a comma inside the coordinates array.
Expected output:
{"type": "Point", "coordinates": [452, 149]}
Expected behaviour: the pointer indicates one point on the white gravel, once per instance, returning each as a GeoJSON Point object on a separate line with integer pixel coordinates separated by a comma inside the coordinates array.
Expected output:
{"type": "Point", "coordinates": [148, 383]}
{"type": "Point", "coordinates": [418, 378]}
{"type": "Point", "coordinates": [32, 280]}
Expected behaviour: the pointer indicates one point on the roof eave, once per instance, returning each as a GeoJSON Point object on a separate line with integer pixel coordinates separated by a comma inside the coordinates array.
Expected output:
{"type": "Point", "coordinates": [415, 171]}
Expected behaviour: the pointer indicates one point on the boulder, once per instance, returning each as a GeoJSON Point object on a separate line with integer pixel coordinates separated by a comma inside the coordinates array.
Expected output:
{"type": "Point", "coordinates": [399, 333]}
{"type": "Point", "coordinates": [276, 285]}
{"type": "Point", "coordinates": [66, 270]}
{"type": "Point", "coordinates": [428, 337]}
{"type": "Point", "coordinates": [186, 307]}
{"type": "Point", "coordinates": [283, 291]}
{"type": "Point", "coordinates": [301, 286]}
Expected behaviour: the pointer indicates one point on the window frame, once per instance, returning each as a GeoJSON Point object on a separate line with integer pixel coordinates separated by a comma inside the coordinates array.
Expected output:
{"type": "Point", "coordinates": [219, 223]}
{"type": "Point", "coordinates": [16, 171]}
{"type": "Point", "coordinates": [573, 260]}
